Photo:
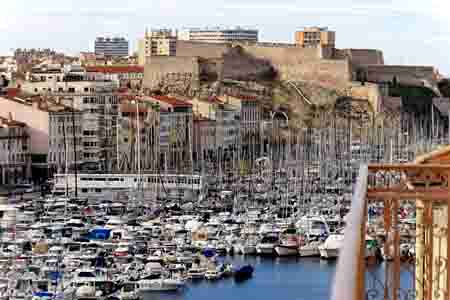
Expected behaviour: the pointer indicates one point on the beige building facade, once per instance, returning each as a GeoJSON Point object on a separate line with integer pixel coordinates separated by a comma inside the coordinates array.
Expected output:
{"type": "Point", "coordinates": [160, 42]}
{"type": "Point", "coordinates": [315, 36]}
{"type": "Point", "coordinates": [15, 160]}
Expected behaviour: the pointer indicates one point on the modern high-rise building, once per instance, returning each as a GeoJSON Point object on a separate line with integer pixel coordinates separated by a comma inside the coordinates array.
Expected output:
{"type": "Point", "coordinates": [219, 35]}
{"type": "Point", "coordinates": [159, 42]}
{"type": "Point", "coordinates": [113, 47]}
{"type": "Point", "coordinates": [315, 36]}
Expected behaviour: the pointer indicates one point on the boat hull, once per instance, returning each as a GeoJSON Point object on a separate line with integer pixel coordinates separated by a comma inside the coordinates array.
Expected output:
{"type": "Point", "coordinates": [329, 253]}
{"type": "Point", "coordinates": [308, 252]}
{"type": "Point", "coordinates": [265, 249]}
{"type": "Point", "coordinates": [248, 250]}
{"type": "Point", "coordinates": [286, 250]}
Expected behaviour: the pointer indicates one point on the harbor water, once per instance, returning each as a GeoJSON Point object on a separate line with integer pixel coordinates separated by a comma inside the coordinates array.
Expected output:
{"type": "Point", "coordinates": [273, 279]}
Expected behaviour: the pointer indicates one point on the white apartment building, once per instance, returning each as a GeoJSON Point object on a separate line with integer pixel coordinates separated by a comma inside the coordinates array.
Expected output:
{"type": "Point", "coordinates": [72, 84]}
{"type": "Point", "coordinates": [121, 75]}
{"type": "Point", "coordinates": [219, 35]}
{"type": "Point", "coordinates": [99, 110]}
{"type": "Point", "coordinates": [112, 47]}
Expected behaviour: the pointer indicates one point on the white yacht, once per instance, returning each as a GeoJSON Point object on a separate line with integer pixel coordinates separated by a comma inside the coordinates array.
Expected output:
{"type": "Point", "coordinates": [159, 285]}
{"type": "Point", "coordinates": [288, 245]}
{"type": "Point", "coordinates": [267, 245]}
{"type": "Point", "coordinates": [196, 272]}
{"type": "Point", "coordinates": [313, 226]}
{"type": "Point", "coordinates": [213, 274]}
{"type": "Point", "coordinates": [310, 249]}
{"type": "Point", "coordinates": [129, 291]}
{"type": "Point", "coordinates": [330, 248]}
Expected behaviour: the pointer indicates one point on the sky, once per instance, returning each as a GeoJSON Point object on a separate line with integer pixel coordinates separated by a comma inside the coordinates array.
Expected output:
{"type": "Point", "coordinates": [414, 32]}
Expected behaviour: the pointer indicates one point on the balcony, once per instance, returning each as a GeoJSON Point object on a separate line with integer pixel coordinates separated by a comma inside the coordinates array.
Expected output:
{"type": "Point", "coordinates": [404, 208]}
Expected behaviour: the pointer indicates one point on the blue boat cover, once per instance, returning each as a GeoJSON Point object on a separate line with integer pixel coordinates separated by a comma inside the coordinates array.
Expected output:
{"type": "Point", "coordinates": [43, 294]}
{"type": "Point", "coordinates": [99, 234]}
{"type": "Point", "coordinates": [208, 252]}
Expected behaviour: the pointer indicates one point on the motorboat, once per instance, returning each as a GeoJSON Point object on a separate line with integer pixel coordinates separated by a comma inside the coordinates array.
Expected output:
{"type": "Point", "coordinates": [159, 285]}
{"type": "Point", "coordinates": [243, 273]}
{"type": "Point", "coordinates": [128, 291]}
{"type": "Point", "coordinates": [330, 248]}
{"type": "Point", "coordinates": [196, 272]}
{"type": "Point", "coordinates": [310, 249]}
{"type": "Point", "coordinates": [267, 245]}
{"type": "Point", "coordinates": [289, 243]}
{"type": "Point", "coordinates": [313, 226]}
{"type": "Point", "coordinates": [212, 274]}
{"type": "Point", "coordinates": [153, 268]}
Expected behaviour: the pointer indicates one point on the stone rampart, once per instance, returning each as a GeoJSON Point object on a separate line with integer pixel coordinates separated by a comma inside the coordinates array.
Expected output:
{"type": "Point", "coordinates": [407, 75]}
{"type": "Point", "coordinates": [171, 70]}
{"type": "Point", "coordinates": [360, 57]}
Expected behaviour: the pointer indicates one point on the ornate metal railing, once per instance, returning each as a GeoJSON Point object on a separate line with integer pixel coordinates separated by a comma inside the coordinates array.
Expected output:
{"type": "Point", "coordinates": [404, 210]}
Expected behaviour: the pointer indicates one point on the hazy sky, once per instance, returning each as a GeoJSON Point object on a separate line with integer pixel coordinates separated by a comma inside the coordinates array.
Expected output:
{"type": "Point", "coordinates": [408, 31]}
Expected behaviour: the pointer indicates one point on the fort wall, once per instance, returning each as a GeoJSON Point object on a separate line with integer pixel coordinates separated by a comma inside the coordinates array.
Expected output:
{"type": "Point", "coordinates": [407, 75]}
{"type": "Point", "coordinates": [360, 57]}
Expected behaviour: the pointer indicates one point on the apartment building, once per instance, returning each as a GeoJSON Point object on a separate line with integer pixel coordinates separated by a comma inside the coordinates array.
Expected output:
{"type": "Point", "coordinates": [99, 110]}
{"type": "Point", "coordinates": [131, 75]}
{"type": "Point", "coordinates": [227, 121]}
{"type": "Point", "coordinates": [175, 132]}
{"type": "Point", "coordinates": [44, 129]}
{"type": "Point", "coordinates": [204, 140]}
{"type": "Point", "coordinates": [219, 35]}
{"type": "Point", "coordinates": [111, 46]}
{"type": "Point", "coordinates": [129, 145]}
{"type": "Point", "coordinates": [15, 159]}
{"type": "Point", "coordinates": [159, 42]}
{"type": "Point", "coordinates": [251, 117]}
{"type": "Point", "coordinates": [315, 36]}
{"type": "Point", "coordinates": [65, 139]}
{"type": "Point", "coordinates": [45, 73]}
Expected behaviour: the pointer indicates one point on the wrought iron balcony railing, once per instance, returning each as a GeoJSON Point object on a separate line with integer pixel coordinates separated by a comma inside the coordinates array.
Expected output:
{"type": "Point", "coordinates": [403, 211]}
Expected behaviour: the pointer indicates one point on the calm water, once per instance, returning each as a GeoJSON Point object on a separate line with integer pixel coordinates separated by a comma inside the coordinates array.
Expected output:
{"type": "Point", "coordinates": [274, 279]}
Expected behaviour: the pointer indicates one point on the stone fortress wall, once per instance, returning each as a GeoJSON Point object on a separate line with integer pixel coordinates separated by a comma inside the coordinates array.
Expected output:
{"type": "Point", "coordinates": [242, 61]}
{"type": "Point", "coordinates": [173, 70]}
{"type": "Point", "coordinates": [408, 75]}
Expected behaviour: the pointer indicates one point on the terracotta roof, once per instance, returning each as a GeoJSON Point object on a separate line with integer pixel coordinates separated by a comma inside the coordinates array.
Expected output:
{"type": "Point", "coordinates": [115, 69]}
{"type": "Point", "coordinates": [170, 100]}
{"type": "Point", "coordinates": [246, 98]}
{"type": "Point", "coordinates": [127, 97]}
{"type": "Point", "coordinates": [131, 108]}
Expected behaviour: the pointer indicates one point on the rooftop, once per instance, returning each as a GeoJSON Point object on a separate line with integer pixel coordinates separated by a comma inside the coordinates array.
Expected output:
{"type": "Point", "coordinates": [131, 108]}
{"type": "Point", "coordinates": [170, 100]}
{"type": "Point", "coordinates": [246, 98]}
{"type": "Point", "coordinates": [115, 69]}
